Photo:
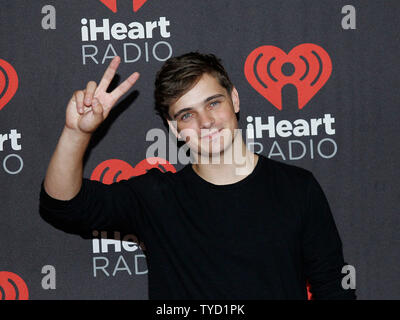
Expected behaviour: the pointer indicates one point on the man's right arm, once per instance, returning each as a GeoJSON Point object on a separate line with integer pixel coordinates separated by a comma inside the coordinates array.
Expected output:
{"type": "Point", "coordinates": [77, 205]}
{"type": "Point", "coordinates": [64, 174]}
{"type": "Point", "coordinates": [86, 110]}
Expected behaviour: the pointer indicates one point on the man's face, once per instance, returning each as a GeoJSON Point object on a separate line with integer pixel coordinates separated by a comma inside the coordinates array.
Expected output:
{"type": "Point", "coordinates": [205, 117]}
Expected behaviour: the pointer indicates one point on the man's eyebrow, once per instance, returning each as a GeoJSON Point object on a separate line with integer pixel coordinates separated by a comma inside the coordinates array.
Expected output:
{"type": "Point", "coordinates": [206, 100]}
{"type": "Point", "coordinates": [214, 96]}
{"type": "Point", "coordinates": [181, 111]}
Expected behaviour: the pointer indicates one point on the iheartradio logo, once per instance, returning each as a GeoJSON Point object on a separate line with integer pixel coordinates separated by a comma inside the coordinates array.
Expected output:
{"type": "Point", "coordinates": [8, 82]}
{"type": "Point", "coordinates": [307, 66]}
{"type": "Point", "coordinates": [114, 170]}
{"type": "Point", "coordinates": [112, 4]}
{"type": "Point", "coordinates": [12, 287]}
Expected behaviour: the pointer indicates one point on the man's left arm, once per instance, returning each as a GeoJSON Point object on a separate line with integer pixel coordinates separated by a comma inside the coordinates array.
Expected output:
{"type": "Point", "coordinates": [322, 248]}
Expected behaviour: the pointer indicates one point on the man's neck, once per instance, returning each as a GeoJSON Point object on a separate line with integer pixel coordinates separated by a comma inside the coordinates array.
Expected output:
{"type": "Point", "coordinates": [239, 166]}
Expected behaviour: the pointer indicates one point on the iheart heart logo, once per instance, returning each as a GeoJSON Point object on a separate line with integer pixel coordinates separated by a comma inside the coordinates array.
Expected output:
{"type": "Point", "coordinates": [308, 67]}
{"type": "Point", "coordinates": [12, 287]}
{"type": "Point", "coordinates": [112, 4]}
{"type": "Point", "coordinates": [8, 82]}
{"type": "Point", "coordinates": [114, 170]}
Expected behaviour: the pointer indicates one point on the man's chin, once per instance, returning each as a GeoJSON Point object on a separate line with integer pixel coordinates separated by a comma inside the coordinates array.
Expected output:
{"type": "Point", "coordinates": [211, 156]}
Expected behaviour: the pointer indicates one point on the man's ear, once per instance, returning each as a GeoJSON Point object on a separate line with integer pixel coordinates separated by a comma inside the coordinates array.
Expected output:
{"type": "Point", "coordinates": [235, 100]}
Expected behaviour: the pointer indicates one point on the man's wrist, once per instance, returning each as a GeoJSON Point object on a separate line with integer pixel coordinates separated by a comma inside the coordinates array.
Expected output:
{"type": "Point", "coordinates": [76, 136]}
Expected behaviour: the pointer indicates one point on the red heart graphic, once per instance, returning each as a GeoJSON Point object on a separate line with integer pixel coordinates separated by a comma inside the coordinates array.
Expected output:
{"type": "Point", "coordinates": [112, 4]}
{"type": "Point", "coordinates": [312, 69]}
{"type": "Point", "coordinates": [114, 170]}
{"type": "Point", "coordinates": [8, 82]}
{"type": "Point", "coordinates": [13, 287]}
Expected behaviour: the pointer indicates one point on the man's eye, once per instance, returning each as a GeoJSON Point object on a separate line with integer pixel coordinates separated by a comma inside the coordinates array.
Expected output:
{"type": "Point", "coordinates": [214, 103]}
{"type": "Point", "coordinates": [186, 116]}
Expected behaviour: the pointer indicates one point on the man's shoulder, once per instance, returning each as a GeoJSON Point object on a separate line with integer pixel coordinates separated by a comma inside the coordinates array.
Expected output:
{"type": "Point", "coordinates": [287, 174]}
{"type": "Point", "coordinates": [280, 171]}
{"type": "Point", "coordinates": [287, 169]}
{"type": "Point", "coordinates": [153, 178]}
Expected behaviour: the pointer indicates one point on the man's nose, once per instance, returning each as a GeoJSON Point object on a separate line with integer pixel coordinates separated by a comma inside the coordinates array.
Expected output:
{"type": "Point", "coordinates": [206, 120]}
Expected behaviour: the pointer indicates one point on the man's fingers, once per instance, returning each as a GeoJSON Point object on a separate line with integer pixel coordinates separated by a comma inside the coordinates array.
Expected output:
{"type": "Point", "coordinates": [97, 107]}
{"type": "Point", "coordinates": [89, 93]}
{"type": "Point", "coordinates": [78, 97]}
{"type": "Point", "coordinates": [124, 87]}
{"type": "Point", "coordinates": [109, 74]}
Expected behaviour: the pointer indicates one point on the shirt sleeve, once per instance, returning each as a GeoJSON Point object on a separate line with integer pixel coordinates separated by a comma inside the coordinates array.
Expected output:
{"type": "Point", "coordinates": [322, 248]}
{"type": "Point", "coordinates": [97, 206]}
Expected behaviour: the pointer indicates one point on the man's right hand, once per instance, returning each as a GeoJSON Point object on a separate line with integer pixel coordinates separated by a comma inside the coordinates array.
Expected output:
{"type": "Point", "coordinates": [88, 108]}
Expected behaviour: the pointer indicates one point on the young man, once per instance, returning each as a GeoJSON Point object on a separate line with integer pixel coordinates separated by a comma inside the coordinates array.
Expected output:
{"type": "Point", "coordinates": [243, 228]}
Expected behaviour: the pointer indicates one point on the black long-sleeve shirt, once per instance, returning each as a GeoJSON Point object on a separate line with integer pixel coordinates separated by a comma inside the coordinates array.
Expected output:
{"type": "Point", "coordinates": [260, 238]}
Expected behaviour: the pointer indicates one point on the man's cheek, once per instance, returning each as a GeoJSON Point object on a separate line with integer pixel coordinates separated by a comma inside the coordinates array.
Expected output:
{"type": "Point", "coordinates": [189, 135]}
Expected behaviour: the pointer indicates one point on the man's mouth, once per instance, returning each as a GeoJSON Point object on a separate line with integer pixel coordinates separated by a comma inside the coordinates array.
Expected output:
{"type": "Point", "coordinates": [211, 135]}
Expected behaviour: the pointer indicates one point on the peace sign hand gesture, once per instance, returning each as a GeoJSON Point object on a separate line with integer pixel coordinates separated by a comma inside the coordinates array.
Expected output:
{"type": "Point", "coordinates": [88, 108]}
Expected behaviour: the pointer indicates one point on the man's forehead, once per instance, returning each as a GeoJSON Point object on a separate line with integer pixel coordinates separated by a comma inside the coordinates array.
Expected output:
{"type": "Point", "coordinates": [206, 87]}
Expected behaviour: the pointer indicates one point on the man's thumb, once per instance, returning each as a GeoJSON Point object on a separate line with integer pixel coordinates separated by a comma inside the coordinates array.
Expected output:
{"type": "Point", "coordinates": [97, 107]}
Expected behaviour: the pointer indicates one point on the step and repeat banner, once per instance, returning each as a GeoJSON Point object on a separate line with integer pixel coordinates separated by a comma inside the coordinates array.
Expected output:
{"type": "Point", "coordinates": [318, 85]}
